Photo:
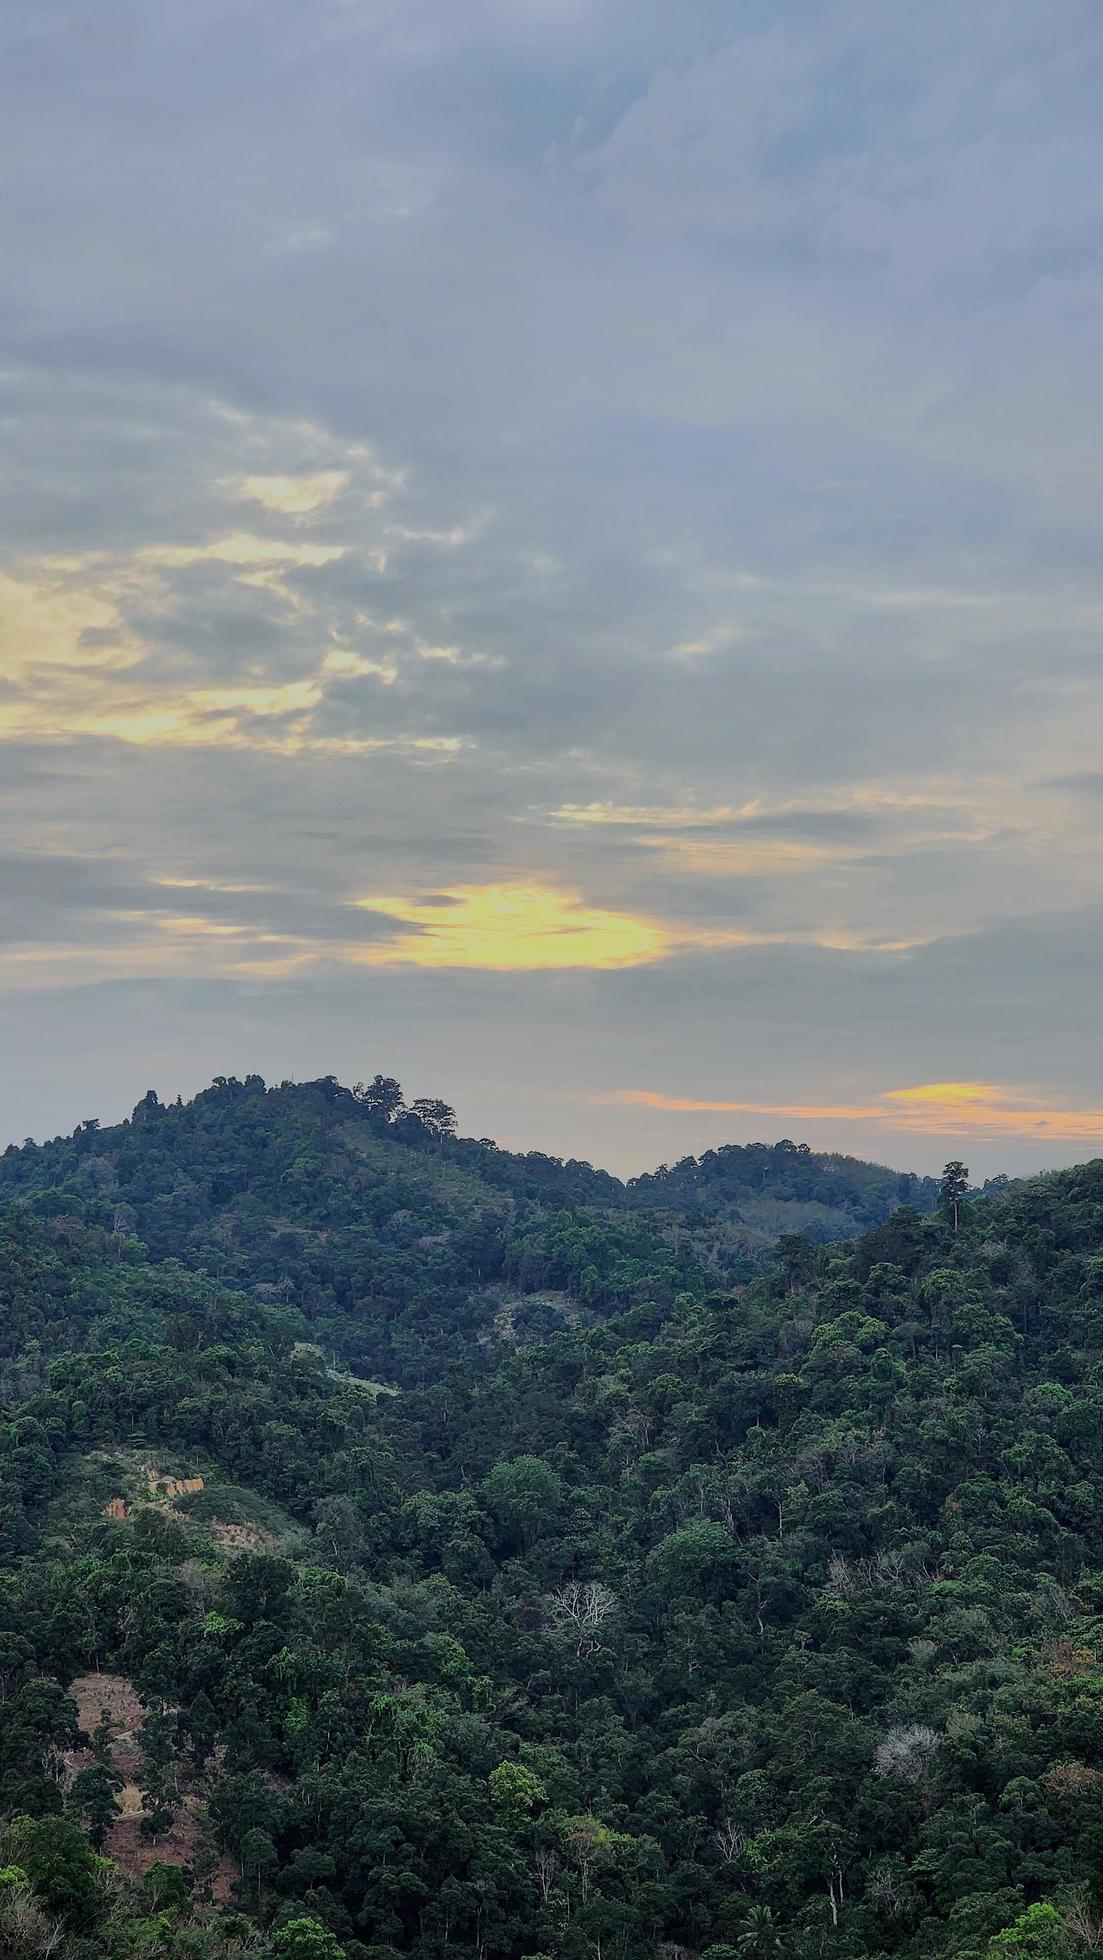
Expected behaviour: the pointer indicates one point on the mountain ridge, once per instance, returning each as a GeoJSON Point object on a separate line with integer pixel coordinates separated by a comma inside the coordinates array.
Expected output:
{"type": "Point", "coordinates": [697, 1622]}
{"type": "Point", "coordinates": [361, 1205]}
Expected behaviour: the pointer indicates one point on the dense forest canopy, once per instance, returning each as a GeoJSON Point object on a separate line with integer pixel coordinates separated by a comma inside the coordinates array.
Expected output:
{"type": "Point", "coordinates": [411, 1548]}
{"type": "Point", "coordinates": [400, 1243]}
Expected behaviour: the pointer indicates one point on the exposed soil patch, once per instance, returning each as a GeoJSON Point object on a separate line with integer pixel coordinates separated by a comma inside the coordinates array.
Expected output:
{"type": "Point", "coordinates": [133, 1852]}
{"type": "Point", "coordinates": [95, 1692]}
{"type": "Point", "coordinates": [236, 1520]}
{"type": "Point", "coordinates": [152, 1489]}
{"type": "Point", "coordinates": [136, 1855]}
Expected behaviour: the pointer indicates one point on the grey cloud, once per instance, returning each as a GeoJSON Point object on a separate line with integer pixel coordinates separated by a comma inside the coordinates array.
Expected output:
{"type": "Point", "coordinates": [523, 1057]}
{"type": "Point", "coordinates": [44, 896]}
{"type": "Point", "coordinates": [829, 824]}
{"type": "Point", "coordinates": [57, 898]}
{"type": "Point", "coordinates": [768, 332]}
{"type": "Point", "coordinates": [1082, 782]}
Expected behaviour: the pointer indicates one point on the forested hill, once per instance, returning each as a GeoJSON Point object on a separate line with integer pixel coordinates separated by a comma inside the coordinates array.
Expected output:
{"type": "Point", "coordinates": [403, 1247]}
{"type": "Point", "coordinates": [764, 1626]}
{"type": "Point", "coordinates": [765, 1190]}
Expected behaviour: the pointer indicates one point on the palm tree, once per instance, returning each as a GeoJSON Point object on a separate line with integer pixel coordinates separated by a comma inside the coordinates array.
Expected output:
{"type": "Point", "coordinates": [761, 1937]}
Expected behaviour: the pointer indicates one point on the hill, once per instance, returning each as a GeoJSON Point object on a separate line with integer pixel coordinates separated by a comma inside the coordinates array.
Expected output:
{"type": "Point", "coordinates": [757, 1192]}
{"type": "Point", "coordinates": [765, 1623]}
{"type": "Point", "coordinates": [404, 1247]}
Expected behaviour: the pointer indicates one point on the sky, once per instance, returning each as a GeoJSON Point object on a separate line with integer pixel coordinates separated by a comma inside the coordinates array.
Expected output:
{"type": "Point", "coordinates": [551, 548]}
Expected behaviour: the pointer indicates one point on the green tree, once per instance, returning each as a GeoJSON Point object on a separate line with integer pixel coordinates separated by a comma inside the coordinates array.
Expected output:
{"type": "Point", "coordinates": [1040, 1933]}
{"type": "Point", "coordinates": [515, 1791]}
{"type": "Point", "coordinates": [60, 1866]}
{"type": "Point", "coordinates": [524, 1494]}
{"type": "Point", "coordinates": [760, 1936]}
{"type": "Point", "coordinates": [159, 1787]}
{"type": "Point", "coordinates": [952, 1190]}
{"type": "Point", "coordinates": [95, 1792]}
{"type": "Point", "coordinates": [306, 1939]}
{"type": "Point", "coordinates": [259, 1858]}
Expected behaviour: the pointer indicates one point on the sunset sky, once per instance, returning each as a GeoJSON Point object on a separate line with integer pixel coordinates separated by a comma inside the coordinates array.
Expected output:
{"type": "Point", "coordinates": [551, 548]}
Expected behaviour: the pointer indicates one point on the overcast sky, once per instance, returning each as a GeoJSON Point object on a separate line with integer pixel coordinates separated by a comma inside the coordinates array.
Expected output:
{"type": "Point", "coordinates": [552, 548]}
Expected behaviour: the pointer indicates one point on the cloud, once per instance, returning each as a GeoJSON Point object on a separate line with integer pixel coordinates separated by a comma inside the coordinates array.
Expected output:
{"type": "Point", "coordinates": [519, 927]}
{"type": "Point", "coordinates": [279, 719]}
{"type": "Point", "coordinates": [1082, 782]}
{"type": "Point", "coordinates": [690, 819]}
{"type": "Point", "coordinates": [455, 657]}
{"type": "Point", "coordinates": [944, 1109]}
{"type": "Point", "coordinates": [93, 647]}
{"type": "Point", "coordinates": [350, 666]}
{"type": "Point", "coordinates": [512, 928]}
{"type": "Point", "coordinates": [293, 496]}
{"type": "Point", "coordinates": [242, 549]}
{"type": "Point", "coordinates": [755, 857]}
{"type": "Point", "coordinates": [46, 622]}
{"type": "Point", "coordinates": [627, 329]}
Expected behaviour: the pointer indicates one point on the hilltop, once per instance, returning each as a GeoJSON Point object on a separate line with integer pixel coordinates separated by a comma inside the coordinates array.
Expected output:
{"type": "Point", "coordinates": [704, 1621]}
{"type": "Point", "coordinates": [403, 1246]}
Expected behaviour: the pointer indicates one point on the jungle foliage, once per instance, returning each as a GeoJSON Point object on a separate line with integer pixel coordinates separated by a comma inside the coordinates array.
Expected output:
{"type": "Point", "coordinates": [679, 1617]}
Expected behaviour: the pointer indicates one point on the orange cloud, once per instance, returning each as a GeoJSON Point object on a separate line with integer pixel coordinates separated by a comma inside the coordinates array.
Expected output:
{"type": "Point", "coordinates": [966, 1109]}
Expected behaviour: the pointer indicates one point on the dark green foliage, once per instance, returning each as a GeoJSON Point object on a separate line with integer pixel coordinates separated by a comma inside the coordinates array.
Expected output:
{"type": "Point", "coordinates": [95, 1792]}
{"type": "Point", "coordinates": [390, 1241]}
{"type": "Point", "coordinates": [60, 1866]}
{"type": "Point", "coordinates": [951, 1191]}
{"type": "Point", "coordinates": [766, 1623]}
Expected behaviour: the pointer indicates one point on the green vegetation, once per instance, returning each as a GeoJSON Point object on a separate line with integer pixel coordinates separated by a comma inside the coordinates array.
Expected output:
{"type": "Point", "coordinates": [690, 1619]}
{"type": "Point", "coordinates": [389, 1239]}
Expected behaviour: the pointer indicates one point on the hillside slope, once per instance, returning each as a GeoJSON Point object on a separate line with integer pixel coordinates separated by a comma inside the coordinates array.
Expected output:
{"type": "Point", "coordinates": [769, 1625]}
{"type": "Point", "coordinates": [761, 1191]}
{"type": "Point", "coordinates": [404, 1247]}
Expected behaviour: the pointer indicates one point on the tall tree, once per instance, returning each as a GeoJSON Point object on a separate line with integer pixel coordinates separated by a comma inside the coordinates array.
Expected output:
{"type": "Point", "coordinates": [951, 1191]}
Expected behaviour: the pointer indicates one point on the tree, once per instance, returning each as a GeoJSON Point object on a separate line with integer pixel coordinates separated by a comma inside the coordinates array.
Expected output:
{"type": "Point", "coordinates": [590, 1847]}
{"type": "Point", "coordinates": [951, 1191]}
{"type": "Point", "coordinates": [27, 1931]}
{"type": "Point", "coordinates": [95, 1791]}
{"type": "Point", "coordinates": [166, 1887]}
{"type": "Point", "coordinates": [60, 1866]}
{"type": "Point", "coordinates": [306, 1939]}
{"type": "Point", "coordinates": [760, 1938]}
{"type": "Point", "coordinates": [1040, 1933]}
{"type": "Point", "coordinates": [382, 1098]}
{"type": "Point", "coordinates": [581, 1608]}
{"type": "Point", "coordinates": [438, 1117]}
{"type": "Point", "coordinates": [160, 1792]}
{"type": "Point", "coordinates": [258, 1857]}
{"type": "Point", "coordinates": [797, 1258]}
{"type": "Point", "coordinates": [202, 1727]}
{"type": "Point", "coordinates": [515, 1791]}
{"type": "Point", "coordinates": [524, 1494]}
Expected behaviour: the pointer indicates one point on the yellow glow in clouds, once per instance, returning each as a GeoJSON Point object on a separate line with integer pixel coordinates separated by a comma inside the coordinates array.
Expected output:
{"type": "Point", "coordinates": [963, 1109]}
{"type": "Point", "coordinates": [511, 928]}
{"type": "Point", "coordinates": [948, 1095]}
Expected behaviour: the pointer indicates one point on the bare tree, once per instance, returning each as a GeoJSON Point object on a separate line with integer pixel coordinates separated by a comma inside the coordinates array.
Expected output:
{"type": "Point", "coordinates": [581, 1608]}
{"type": "Point", "coordinates": [26, 1929]}
{"type": "Point", "coordinates": [908, 1752]}
{"type": "Point", "coordinates": [547, 1865]}
{"type": "Point", "coordinates": [1082, 1928]}
{"type": "Point", "coordinates": [730, 1841]}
